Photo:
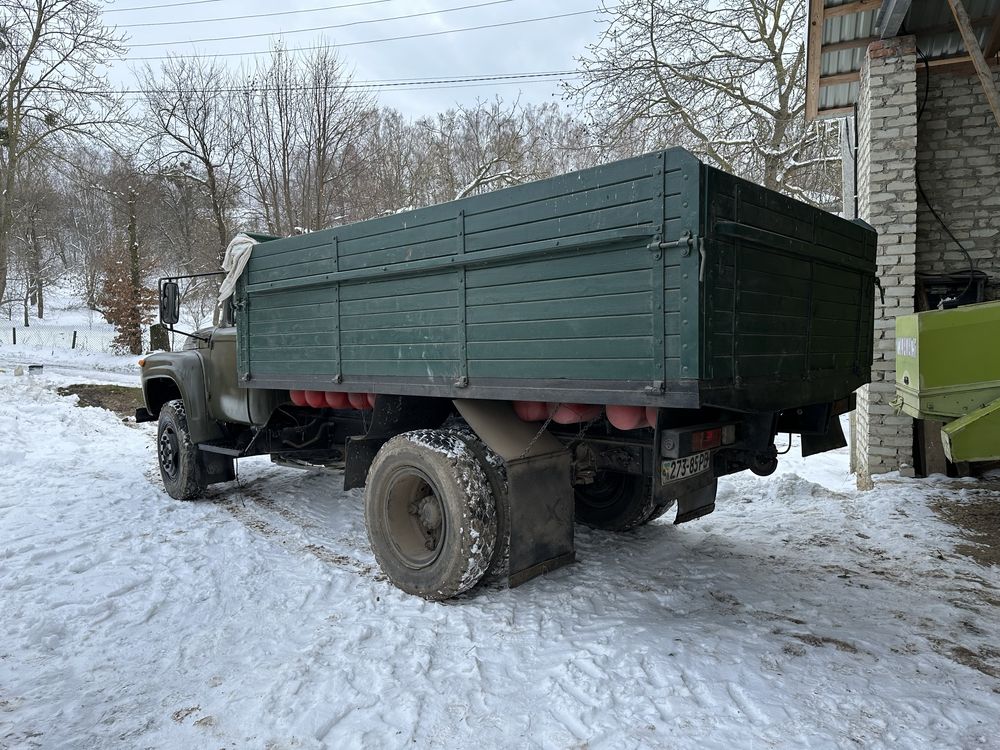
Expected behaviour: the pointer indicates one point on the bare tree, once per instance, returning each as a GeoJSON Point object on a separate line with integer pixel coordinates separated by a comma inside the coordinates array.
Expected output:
{"type": "Point", "coordinates": [50, 56]}
{"type": "Point", "coordinates": [36, 225]}
{"type": "Point", "coordinates": [724, 78]}
{"type": "Point", "coordinates": [195, 131]}
{"type": "Point", "coordinates": [88, 218]}
{"type": "Point", "coordinates": [125, 298]}
{"type": "Point", "coordinates": [475, 149]}
{"type": "Point", "coordinates": [390, 151]}
{"type": "Point", "coordinates": [301, 122]}
{"type": "Point", "coordinates": [494, 144]}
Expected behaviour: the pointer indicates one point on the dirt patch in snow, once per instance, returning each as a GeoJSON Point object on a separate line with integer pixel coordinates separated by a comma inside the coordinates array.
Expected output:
{"type": "Point", "coordinates": [978, 520]}
{"type": "Point", "coordinates": [120, 399]}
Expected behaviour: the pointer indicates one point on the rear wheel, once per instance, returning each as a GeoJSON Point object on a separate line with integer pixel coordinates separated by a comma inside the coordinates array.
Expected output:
{"type": "Point", "coordinates": [430, 514]}
{"type": "Point", "coordinates": [181, 467]}
{"type": "Point", "coordinates": [615, 501]}
{"type": "Point", "coordinates": [496, 474]}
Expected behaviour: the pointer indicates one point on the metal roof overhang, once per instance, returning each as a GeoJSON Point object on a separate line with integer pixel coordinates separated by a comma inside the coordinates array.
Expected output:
{"type": "Point", "coordinates": [839, 32]}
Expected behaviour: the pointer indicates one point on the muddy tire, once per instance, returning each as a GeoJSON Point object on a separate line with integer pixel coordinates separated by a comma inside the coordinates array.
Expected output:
{"type": "Point", "coordinates": [496, 473]}
{"type": "Point", "coordinates": [430, 514]}
{"type": "Point", "coordinates": [181, 465]}
{"type": "Point", "coordinates": [616, 501]}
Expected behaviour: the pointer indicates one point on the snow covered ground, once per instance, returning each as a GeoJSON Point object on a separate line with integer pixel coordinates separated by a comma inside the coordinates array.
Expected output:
{"type": "Point", "coordinates": [801, 614]}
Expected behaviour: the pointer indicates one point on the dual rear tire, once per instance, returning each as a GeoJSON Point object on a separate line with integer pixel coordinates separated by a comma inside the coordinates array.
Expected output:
{"type": "Point", "coordinates": [437, 517]}
{"type": "Point", "coordinates": [616, 501]}
{"type": "Point", "coordinates": [432, 514]}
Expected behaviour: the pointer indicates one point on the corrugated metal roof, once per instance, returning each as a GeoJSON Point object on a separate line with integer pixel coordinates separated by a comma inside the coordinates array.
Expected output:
{"type": "Point", "coordinates": [930, 20]}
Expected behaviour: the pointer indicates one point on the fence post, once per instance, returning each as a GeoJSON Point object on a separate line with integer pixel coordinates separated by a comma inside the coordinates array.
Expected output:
{"type": "Point", "coordinates": [73, 345]}
{"type": "Point", "coordinates": [14, 329]}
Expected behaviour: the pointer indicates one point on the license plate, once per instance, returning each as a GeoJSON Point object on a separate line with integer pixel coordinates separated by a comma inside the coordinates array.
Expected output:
{"type": "Point", "coordinates": [681, 468]}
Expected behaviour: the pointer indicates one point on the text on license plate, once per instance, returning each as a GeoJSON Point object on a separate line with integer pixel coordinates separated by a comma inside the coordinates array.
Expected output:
{"type": "Point", "coordinates": [679, 468]}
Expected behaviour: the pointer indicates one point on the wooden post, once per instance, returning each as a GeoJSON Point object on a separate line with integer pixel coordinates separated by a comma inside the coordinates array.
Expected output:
{"type": "Point", "coordinates": [978, 60]}
{"type": "Point", "coordinates": [14, 329]}
{"type": "Point", "coordinates": [73, 345]}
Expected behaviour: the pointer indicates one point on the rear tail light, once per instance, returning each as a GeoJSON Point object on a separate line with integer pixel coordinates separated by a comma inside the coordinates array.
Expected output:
{"type": "Point", "coordinates": [705, 439]}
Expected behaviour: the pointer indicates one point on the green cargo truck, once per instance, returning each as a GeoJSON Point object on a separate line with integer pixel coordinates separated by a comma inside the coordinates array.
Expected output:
{"type": "Point", "coordinates": [600, 347]}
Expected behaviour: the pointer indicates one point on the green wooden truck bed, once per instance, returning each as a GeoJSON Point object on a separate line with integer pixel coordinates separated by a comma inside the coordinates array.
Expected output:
{"type": "Point", "coordinates": [656, 281]}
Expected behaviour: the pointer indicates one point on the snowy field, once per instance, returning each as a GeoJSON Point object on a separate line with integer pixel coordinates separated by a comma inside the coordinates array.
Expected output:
{"type": "Point", "coordinates": [801, 614]}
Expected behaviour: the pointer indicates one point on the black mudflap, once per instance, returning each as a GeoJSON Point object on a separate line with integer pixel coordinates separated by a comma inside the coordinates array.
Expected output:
{"type": "Point", "coordinates": [541, 501]}
{"type": "Point", "coordinates": [831, 440]}
{"type": "Point", "coordinates": [697, 503]}
{"type": "Point", "coordinates": [539, 487]}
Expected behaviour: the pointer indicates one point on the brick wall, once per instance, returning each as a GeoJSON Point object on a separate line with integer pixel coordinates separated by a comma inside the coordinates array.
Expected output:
{"type": "Point", "coordinates": [887, 199]}
{"type": "Point", "coordinates": [958, 156]}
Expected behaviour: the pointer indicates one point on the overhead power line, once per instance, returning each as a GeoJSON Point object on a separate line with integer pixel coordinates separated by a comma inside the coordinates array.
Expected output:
{"type": "Point", "coordinates": [322, 28]}
{"type": "Point", "coordinates": [158, 6]}
{"type": "Point", "coordinates": [372, 41]}
{"type": "Point", "coordinates": [255, 15]}
{"type": "Point", "coordinates": [420, 83]}
{"type": "Point", "coordinates": [389, 83]}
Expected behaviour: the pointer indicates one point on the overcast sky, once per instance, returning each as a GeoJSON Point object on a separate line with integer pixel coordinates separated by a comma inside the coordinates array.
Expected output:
{"type": "Point", "coordinates": [538, 46]}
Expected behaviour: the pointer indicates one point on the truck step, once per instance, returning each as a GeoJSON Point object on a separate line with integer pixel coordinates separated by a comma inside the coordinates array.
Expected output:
{"type": "Point", "coordinates": [225, 450]}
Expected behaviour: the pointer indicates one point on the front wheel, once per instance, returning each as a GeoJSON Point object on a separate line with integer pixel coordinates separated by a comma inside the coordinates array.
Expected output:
{"type": "Point", "coordinates": [181, 467]}
{"type": "Point", "coordinates": [615, 501]}
{"type": "Point", "coordinates": [430, 514]}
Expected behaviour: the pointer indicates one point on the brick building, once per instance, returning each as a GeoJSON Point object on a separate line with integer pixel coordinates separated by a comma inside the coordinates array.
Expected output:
{"type": "Point", "coordinates": [920, 135]}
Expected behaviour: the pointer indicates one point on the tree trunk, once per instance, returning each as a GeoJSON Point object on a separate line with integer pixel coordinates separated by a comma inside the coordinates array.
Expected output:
{"type": "Point", "coordinates": [35, 281]}
{"type": "Point", "coordinates": [134, 332]}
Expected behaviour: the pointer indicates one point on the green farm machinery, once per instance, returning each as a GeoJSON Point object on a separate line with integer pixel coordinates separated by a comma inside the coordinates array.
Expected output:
{"type": "Point", "coordinates": [948, 370]}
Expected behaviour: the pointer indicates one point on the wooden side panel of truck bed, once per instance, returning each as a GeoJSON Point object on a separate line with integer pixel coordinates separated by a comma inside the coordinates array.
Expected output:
{"type": "Point", "coordinates": [561, 290]}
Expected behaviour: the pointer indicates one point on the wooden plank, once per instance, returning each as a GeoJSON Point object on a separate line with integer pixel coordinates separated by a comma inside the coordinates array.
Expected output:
{"type": "Point", "coordinates": [773, 324]}
{"type": "Point", "coordinates": [972, 47]}
{"type": "Point", "coordinates": [293, 353]}
{"type": "Point", "coordinates": [292, 269]}
{"type": "Point", "coordinates": [627, 347]}
{"type": "Point", "coordinates": [439, 334]}
{"type": "Point", "coordinates": [788, 366]}
{"type": "Point", "coordinates": [611, 304]}
{"type": "Point", "coordinates": [814, 45]}
{"type": "Point", "coordinates": [565, 369]}
{"type": "Point", "coordinates": [859, 43]}
{"type": "Point", "coordinates": [763, 302]}
{"type": "Point", "coordinates": [557, 289]}
{"type": "Point", "coordinates": [847, 9]}
{"type": "Point", "coordinates": [446, 316]}
{"type": "Point", "coordinates": [393, 352]}
{"type": "Point", "coordinates": [292, 340]}
{"type": "Point", "coordinates": [327, 311]}
{"type": "Point", "coordinates": [401, 303]}
{"type": "Point", "coordinates": [852, 76]}
{"type": "Point", "coordinates": [605, 196]}
{"type": "Point", "coordinates": [835, 112]}
{"type": "Point", "coordinates": [424, 370]}
{"type": "Point", "coordinates": [307, 325]}
{"type": "Point", "coordinates": [565, 328]}
{"type": "Point", "coordinates": [442, 248]}
{"type": "Point", "coordinates": [577, 226]}
{"type": "Point", "coordinates": [414, 232]}
{"type": "Point", "coordinates": [591, 263]}
{"type": "Point", "coordinates": [417, 284]}
{"type": "Point", "coordinates": [295, 368]}
{"type": "Point", "coordinates": [260, 262]}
